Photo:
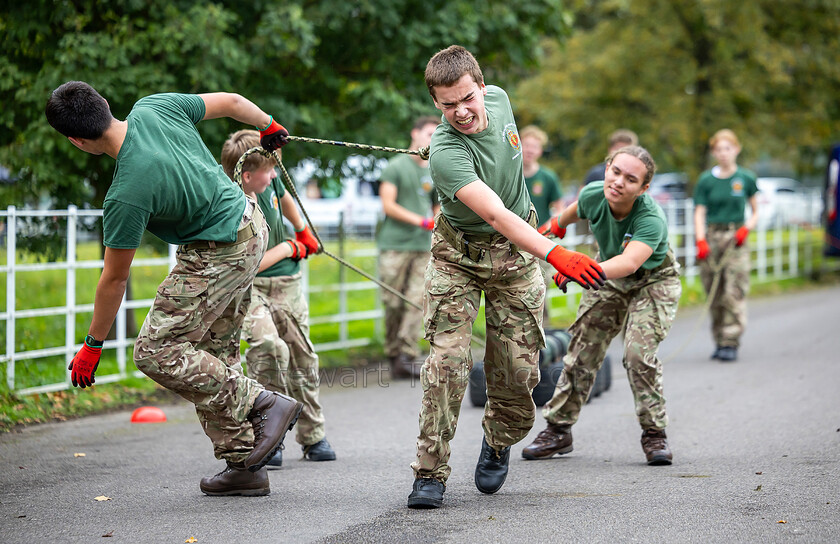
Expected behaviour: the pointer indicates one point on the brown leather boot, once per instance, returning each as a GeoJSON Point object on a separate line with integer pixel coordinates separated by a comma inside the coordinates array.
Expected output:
{"type": "Point", "coordinates": [403, 367]}
{"type": "Point", "coordinates": [236, 480]}
{"type": "Point", "coordinates": [655, 446]}
{"type": "Point", "coordinates": [272, 415]}
{"type": "Point", "coordinates": [554, 440]}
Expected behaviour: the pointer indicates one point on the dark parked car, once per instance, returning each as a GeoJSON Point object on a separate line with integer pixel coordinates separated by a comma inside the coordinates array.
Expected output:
{"type": "Point", "coordinates": [670, 189]}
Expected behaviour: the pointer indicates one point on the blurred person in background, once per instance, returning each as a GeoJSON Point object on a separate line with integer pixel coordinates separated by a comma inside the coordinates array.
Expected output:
{"type": "Point", "coordinates": [404, 240]}
{"type": "Point", "coordinates": [720, 200]}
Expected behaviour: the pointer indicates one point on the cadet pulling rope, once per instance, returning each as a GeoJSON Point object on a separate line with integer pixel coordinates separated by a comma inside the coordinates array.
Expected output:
{"type": "Point", "coordinates": [290, 186]}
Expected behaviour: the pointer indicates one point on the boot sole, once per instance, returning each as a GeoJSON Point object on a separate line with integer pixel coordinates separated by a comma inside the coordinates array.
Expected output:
{"type": "Point", "coordinates": [264, 461]}
{"type": "Point", "coordinates": [531, 457]}
{"type": "Point", "coordinates": [424, 503]}
{"type": "Point", "coordinates": [258, 492]}
{"type": "Point", "coordinates": [659, 461]}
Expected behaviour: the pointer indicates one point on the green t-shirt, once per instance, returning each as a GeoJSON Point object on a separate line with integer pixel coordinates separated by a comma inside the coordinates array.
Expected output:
{"type": "Point", "coordinates": [494, 156]}
{"type": "Point", "coordinates": [167, 181]}
{"type": "Point", "coordinates": [414, 193]}
{"type": "Point", "coordinates": [544, 189]}
{"type": "Point", "coordinates": [646, 223]}
{"type": "Point", "coordinates": [269, 201]}
{"type": "Point", "coordinates": [725, 199]}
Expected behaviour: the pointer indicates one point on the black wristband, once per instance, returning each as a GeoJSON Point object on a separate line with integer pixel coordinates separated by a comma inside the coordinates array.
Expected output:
{"type": "Point", "coordinates": [93, 342]}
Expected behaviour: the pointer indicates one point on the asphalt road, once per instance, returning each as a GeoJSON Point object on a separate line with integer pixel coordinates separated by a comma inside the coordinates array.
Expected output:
{"type": "Point", "coordinates": [756, 459]}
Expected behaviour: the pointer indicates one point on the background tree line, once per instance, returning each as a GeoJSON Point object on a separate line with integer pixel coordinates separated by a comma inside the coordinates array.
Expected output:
{"type": "Point", "coordinates": [676, 71]}
{"type": "Point", "coordinates": [672, 70]}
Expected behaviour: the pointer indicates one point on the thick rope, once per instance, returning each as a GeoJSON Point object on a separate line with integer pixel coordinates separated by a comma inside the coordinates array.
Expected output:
{"type": "Point", "coordinates": [423, 152]}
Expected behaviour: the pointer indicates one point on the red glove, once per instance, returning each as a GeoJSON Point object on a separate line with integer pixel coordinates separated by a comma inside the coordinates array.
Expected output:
{"type": "Point", "coordinates": [308, 239]}
{"type": "Point", "coordinates": [298, 250]}
{"type": "Point", "coordinates": [274, 136]}
{"type": "Point", "coordinates": [428, 223]}
{"type": "Point", "coordinates": [84, 365]}
{"type": "Point", "coordinates": [553, 227]}
{"type": "Point", "coordinates": [577, 266]}
{"type": "Point", "coordinates": [741, 236]}
{"type": "Point", "coordinates": [702, 249]}
{"type": "Point", "coordinates": [561, 281]}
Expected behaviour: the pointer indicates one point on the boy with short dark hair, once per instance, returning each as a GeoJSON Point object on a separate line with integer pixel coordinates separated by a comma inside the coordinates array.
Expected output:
{"type": "Point", "coordinates": [167, 181]}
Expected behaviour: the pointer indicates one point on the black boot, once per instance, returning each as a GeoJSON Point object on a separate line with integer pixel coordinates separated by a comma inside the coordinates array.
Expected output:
{"type": "Point", "coordinates": [319, 451]}
{"type": "Point", "coordinates": [277, 460]}
{"type": "Point", "coordinates": [426, 493]}
{"type": "Point", "coordinates": [236, 480]}
{"type": "Point", "coordinates": [492, 468]}
{"type": "Point", "coordinates": [272, 415]}
{"type": "Point", "coordinates": [404, 367]}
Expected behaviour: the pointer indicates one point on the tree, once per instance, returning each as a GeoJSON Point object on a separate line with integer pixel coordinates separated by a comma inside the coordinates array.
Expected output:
{"type": "Point", "coordinates": [676, 71]}
{"type": "Point", "coordinates": [325, 68]}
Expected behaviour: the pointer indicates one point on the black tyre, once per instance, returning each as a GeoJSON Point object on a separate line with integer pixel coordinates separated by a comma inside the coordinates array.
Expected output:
{"type": "Point", "coordinates": [478, 385]}
{"type": "Point", "coordinates": [606, 368]}
{"type": "Point", "coordinates": [548, 381]}
{"type": "Point", "coordinates": [598, 386]}
{"type": "Point", "coordinates": [563, 338]}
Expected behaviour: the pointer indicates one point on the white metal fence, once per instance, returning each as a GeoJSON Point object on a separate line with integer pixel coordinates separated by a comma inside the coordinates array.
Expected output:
{"type": "Point", "coordinates": [777, 254]}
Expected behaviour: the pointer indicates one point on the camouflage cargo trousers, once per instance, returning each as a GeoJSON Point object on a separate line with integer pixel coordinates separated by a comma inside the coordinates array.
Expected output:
{"type": "Point", "coordinates": [728, 307]}
{"type": "Point", "coordinates": [514, 293]}
{"type": "Point", "coordinates": [280, 355]}
{"type": "Point", "coordinates": [648, 302]}
{"type": "Point", "coordinates": [189, 342]}
{"type": "Point", "coordinates": [402, 270]}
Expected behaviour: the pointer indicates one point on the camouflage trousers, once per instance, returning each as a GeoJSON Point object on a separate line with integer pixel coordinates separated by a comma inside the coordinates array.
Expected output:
{"type": "Point", "coordinates": [280, 355]}
{"type": "Point", "coordinates": [648, 302]}
{"type": "Point", "coordinates": [514, 294]}
{"type": "Point", "coordinates": [402, 270]}
{"type": "Point", "coordinates": [189, 342]}
{"type": "Point", "coordinates": [728, 307]}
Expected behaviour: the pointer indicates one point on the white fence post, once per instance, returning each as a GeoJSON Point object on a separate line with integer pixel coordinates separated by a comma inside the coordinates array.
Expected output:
{"type": "Point", "coordinates": [70, 274]}
{"type": "Point", "coordinates": [11, 238]}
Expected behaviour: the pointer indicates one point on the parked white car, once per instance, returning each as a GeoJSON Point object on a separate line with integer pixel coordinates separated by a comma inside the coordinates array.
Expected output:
{"type": "Point", "coordinates": [359, 208]}
{"type": "Point", "coordinates": [784, 201]}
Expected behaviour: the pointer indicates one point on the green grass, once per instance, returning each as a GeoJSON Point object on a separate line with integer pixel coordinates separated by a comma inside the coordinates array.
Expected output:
{"type": "Point", "coordinates": [48, 289]}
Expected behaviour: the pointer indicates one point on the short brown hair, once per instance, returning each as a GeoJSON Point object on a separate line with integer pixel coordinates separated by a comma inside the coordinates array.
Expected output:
{"type": "Point", "coordinates": [623, 136]}
{"type": "Point", "coordinates": [236, 145]}
{"type": "Point", "coordinates": [449, 65]}
{"type": "Point", "coordinates": [640, 153]}
{"type": "Point", "coordinates": [424, 120]}
{"type": "Point", "coordinates": [534, 131]}
{"type": "Point", "coordinates": [724, 134]}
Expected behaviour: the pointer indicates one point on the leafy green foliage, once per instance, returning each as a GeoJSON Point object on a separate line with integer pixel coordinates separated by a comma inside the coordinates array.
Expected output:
{"type": "Point", "coordinates": [675, 72]}
{"type": "Point", "coordinates": [339, 70]}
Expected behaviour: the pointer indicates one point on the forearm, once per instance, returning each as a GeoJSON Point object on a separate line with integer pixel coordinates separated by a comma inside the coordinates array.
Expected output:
{"type": "Point", "coordinates": [290, 212]}
{"type": "Point", "coordinates": [399, 213]}
{"type": "Point", "coordinates": [109, 295]}
{"type": "Point", "coordinates": [274, 255]}
{"type": "Point", "coordinates": [618, 267]}
{"type": "Point", "coordinates": [700, 222]}
{"type": "Point", "coordinates": [752, 222]}
{"type": "Point", "coordinates": [520, 233]}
